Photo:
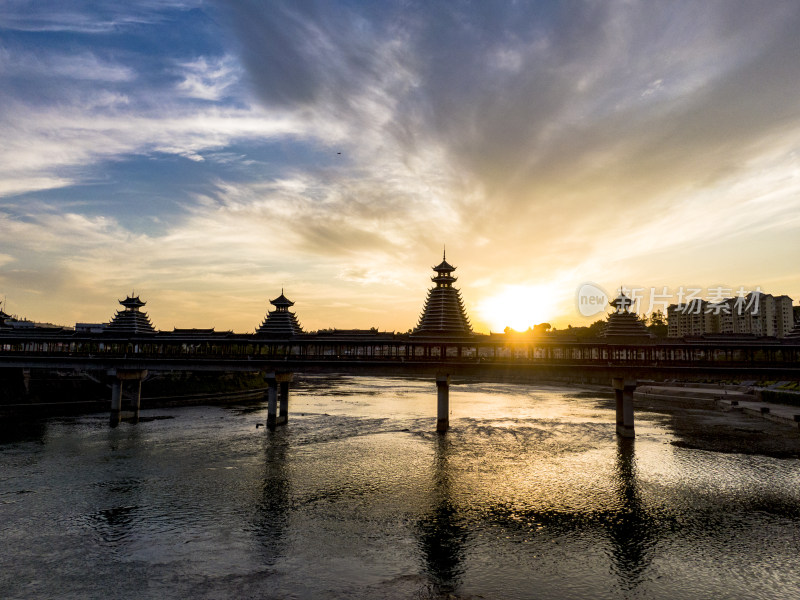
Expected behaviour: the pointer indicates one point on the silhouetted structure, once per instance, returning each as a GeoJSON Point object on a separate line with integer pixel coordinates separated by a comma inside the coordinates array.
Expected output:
{"type": "Point", "coordinates": [443, 314]}
{"type": "Point", "coordinates": [794, 334]}
{"type": "Point", "coordinates": [623, 322]}
{"type": "Point", "coordinates": [131, 320]}
{"type": "Point", "coordinates": [280, 322]}
{"type": "Point", "coordinates": [3, 318]}
{"type": "Point", "coordinates": [757, 314]}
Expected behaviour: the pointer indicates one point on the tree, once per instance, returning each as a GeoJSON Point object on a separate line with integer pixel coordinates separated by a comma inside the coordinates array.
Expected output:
{"type": "Point", "coordinates": [657, 324]}
{"type": "Point", "coordinates": [592, 331]}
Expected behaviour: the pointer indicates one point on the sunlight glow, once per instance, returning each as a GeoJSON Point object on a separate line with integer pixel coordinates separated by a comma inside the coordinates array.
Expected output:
{"type": "Point", "coordinates": [519, 307]}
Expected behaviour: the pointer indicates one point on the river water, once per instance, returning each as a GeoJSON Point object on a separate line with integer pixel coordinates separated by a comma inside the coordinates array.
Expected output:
{"type": "Point", "coordinates": [530, 495]}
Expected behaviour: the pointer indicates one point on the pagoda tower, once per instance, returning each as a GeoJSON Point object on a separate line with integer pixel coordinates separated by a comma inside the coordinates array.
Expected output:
{"type": "Point", "coordinates": [623, 322]}
{"type": "Point", "coordinates": [3, 318]}
{"type": "Point", "coordinates": [280, 322]}
{"type": "Point", "coordinates": [443, 314]}
{"type": "Point", "coordinates": [131, 320]}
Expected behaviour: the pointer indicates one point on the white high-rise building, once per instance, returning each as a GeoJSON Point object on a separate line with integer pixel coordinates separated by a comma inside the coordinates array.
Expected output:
{"type": "Point", "coordinates": [756, 314]}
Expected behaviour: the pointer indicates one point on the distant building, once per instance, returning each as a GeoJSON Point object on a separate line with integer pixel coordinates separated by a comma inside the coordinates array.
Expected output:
{"type": "Point", "coordinates": [784, 316]}
{"type": "Point", "coordinates": [131, 320]}
{"type": "Point", "coordinates": [90, 327]}
{"type": "Point", "coordinates": [12, 322]}
{"type": "Point", "coordinates": [756, 314]}
{"type": "Point", "coordinates": [443, 314]}
{"type": "Point", "coordinates": [280, 322]}
{"type": "Point", "coordinates": [794, 333]}
{"type": "Point", "coordinates": [691, 318]}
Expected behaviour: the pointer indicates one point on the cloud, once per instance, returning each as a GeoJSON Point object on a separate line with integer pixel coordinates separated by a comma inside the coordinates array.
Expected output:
{"type": "Point", "coordinates": [535, 118]}
{"type": "Point", "coordinates": [208, 79]}
{"type": "Point", "coordinates": [536, 107]}
{"type": "Point", "coordinates": [84, 16]}
{"type": "Point", "coordinates": [543, 142]}
{"type": "Point", "coordinates": [39, 142]}
{"type": "Point", "coordinates": [82, 66]}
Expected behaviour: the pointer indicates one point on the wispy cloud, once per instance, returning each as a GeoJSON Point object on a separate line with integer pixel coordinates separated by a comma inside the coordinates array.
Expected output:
{"type": "Point", "coordinates": [83, 66]}
{"type": "Point", "coordinates": [41, 142]}
{"type": "Point", "coordinates": [85, 16]}
{"type": "Point", "coordinates": [208, 79]}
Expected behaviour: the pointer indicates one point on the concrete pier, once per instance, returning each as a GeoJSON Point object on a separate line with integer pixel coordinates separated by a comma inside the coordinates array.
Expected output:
{"type": "Point", "coordinates": [623, 394]}
{"type": "Point", "coordinates": [116, 403]}
{"type": "Point", "coordinates": [136, 401]}
{"type": "Point", "coordinates": [26, 380]}
{"type": "Point", "coordinates": [278, 397]}
{"type": "Point", "coordinates": [443, 403]}
{"type": "Point", "coordinates": [284, 379]}
{"type": "Point", "coordinates": [272, 402]}
{"type": "Point", "coordinates": [120, 376]}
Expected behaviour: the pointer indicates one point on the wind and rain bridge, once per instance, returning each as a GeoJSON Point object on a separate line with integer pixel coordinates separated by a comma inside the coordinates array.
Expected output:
{"type": "Point", "coordinates": [441, 346]}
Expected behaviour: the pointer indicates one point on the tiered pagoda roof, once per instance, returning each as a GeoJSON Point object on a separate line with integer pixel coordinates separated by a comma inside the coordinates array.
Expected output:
{"type": "Point", "coordinates": [443, 314]}
{"type": "Point", "coordinates": [132, 320]}
{"type": "Point", "coordinates": [3, 318]}
{"type": "Point", "coordinates": [623, 322]}
{"type": "Point", "coordinates": [280, 322]}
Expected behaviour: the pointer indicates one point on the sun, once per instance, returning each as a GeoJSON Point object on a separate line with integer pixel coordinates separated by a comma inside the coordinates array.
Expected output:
{"type": "Point", "coordinates": [518, 307]}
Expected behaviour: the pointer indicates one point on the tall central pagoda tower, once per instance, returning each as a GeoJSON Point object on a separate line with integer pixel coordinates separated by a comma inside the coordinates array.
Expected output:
{"type": "Point", "coordinates": [280, 322]}
{"type": "Point", "coordinates": [443, 314]}
{"type": "Point", "coordinates": [132, 320]}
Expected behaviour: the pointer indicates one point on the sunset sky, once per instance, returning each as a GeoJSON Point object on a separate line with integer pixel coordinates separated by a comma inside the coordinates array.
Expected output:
{"type": "Point", "coordinates": [205, 155]}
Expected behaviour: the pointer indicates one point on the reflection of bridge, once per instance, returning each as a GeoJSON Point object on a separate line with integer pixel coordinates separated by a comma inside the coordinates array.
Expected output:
{"type": "Point", "coordinates": [127, 358]}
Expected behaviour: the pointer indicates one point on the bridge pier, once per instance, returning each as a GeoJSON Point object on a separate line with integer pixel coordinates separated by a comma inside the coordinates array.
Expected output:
{"type": "Point", "coordinates": [623, 394]}
{"type": "Point", "coordinates": [116, 403]}
{"type": "Point", "coordinates": [278, 394]}
{"type": "Point", "coordinates": [136, 400]}
{"type": "Point", "coordinates": [26, 380]}
{"type": "Point", "coordinates": [272, 402]}
{"type": "Point", "coordinates": [284, 379]}
{"type": "Point", "coordinates": [443, 403]}
{"type": "Point", "coordinates": [120, 376]}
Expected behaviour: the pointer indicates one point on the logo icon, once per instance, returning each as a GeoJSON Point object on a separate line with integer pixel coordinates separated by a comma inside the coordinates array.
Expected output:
{"type": "Point", "coordinates": [592, 299]}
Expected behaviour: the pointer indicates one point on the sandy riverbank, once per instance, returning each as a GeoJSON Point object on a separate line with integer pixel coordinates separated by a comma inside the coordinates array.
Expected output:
{"type": "Point", "coordinates": [702, 423]}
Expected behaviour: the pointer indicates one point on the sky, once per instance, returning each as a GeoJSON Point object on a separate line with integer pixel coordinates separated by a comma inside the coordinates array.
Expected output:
{"type": "Point", "coordinates": [205, 155]}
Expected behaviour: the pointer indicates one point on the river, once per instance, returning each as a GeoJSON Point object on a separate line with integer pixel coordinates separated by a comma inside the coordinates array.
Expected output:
{"type": "Point", "coordinates": [530, 495]}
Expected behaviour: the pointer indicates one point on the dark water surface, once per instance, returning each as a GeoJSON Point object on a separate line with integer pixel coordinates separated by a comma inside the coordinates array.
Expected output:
{"type": "Point", "coordinates": [530, 495]}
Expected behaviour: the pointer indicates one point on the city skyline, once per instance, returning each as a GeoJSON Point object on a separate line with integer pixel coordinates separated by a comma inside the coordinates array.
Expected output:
{"type": "Point", "coordinates": [207, 155]}
{"type": "Point", "coordinates": [695, 312]}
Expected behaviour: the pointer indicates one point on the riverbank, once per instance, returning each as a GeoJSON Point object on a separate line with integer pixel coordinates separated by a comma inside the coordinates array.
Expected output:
{"type": "Point", "coordinates": [723, 420]}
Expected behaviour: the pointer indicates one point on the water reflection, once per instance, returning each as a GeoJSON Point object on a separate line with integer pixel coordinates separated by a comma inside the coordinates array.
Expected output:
{"type": "Point", "coordinates": [118, 492]}
{"type": "Point", "coordinates": [632, 530]}
{"type": "Point", "coordinates": [358, 504]}
{"type": "Point", "coordinates": [274, 504]}
{"type": "Point", "coordinates": [13, 431]}
{"type": "Point", "coordinates": [442, 532]}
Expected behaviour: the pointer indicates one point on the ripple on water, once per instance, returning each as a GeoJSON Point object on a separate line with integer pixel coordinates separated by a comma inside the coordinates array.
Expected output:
{"type": "Point", "coordinates": [529, 493]}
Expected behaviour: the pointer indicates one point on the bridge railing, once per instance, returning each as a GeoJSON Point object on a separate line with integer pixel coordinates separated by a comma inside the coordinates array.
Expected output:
{"type": "Point", "coordinates": [405, 350]}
